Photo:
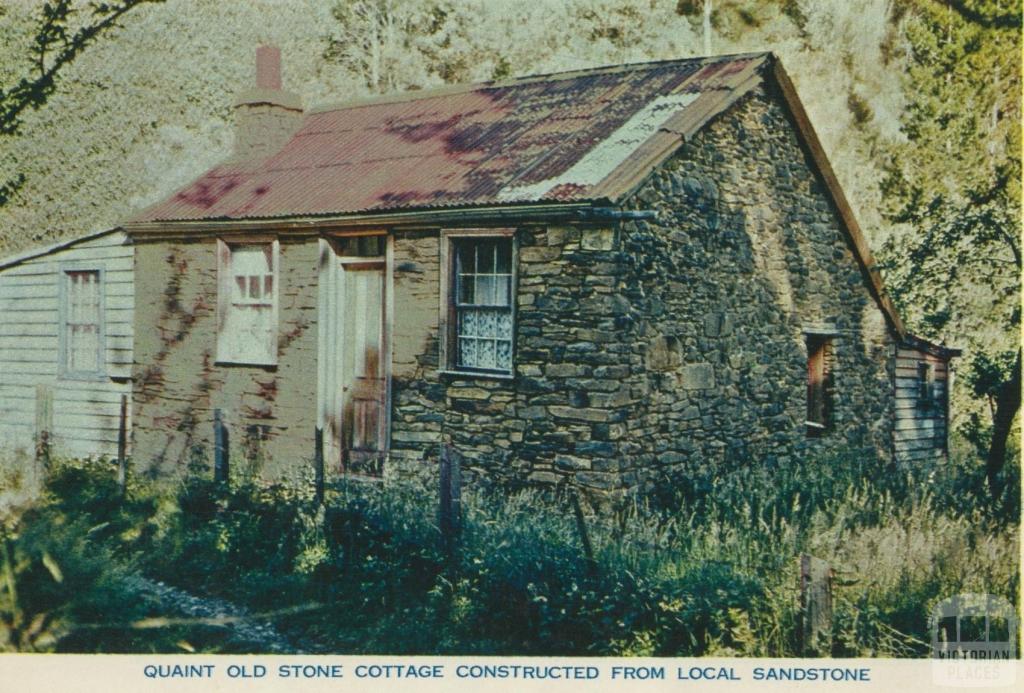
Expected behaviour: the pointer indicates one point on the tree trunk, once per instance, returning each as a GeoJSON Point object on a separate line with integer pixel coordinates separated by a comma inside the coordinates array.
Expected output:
{"type": "Point", "coordinates": [1007, 404]}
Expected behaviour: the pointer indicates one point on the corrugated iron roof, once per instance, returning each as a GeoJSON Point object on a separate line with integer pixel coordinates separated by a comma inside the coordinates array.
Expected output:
{"type": "Point", "coordinates": [579, 136]}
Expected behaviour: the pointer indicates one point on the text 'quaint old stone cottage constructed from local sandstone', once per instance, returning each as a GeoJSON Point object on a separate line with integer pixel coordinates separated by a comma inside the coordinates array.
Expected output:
{"type": "Point", "coordinates": [617, 275]}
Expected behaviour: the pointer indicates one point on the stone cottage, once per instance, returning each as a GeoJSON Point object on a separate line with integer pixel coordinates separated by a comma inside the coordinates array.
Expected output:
{"type": "Point", "coordinates": [615, 275]}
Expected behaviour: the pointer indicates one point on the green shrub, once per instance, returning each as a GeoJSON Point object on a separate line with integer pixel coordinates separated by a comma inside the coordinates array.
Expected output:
{"type": "Point", "coordinates": [708, 569]}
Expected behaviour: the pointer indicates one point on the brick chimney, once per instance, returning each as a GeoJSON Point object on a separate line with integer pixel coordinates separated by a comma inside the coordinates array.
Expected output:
{"type": "Point", "coordinates": [265, 117]}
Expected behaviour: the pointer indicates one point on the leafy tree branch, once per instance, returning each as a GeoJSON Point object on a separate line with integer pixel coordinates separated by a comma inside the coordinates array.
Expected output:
{"type": "Point", "coordinates": [57, 42]}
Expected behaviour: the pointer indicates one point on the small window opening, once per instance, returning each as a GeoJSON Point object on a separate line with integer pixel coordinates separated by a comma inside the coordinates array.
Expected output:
{"type": "Point", "coordinates": [82, 329]}
{"type": "Point", "coordinates": [362, 246]}
{"type": "Point", "coordinates": [819, 384]}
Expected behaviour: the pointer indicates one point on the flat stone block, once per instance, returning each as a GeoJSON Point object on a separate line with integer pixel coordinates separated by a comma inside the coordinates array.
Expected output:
{"type": "Point", "coordinates": [416, 436]}
{"type": "Point", "coordinates": [571, 463]}
{"type": "Point", "coordinates": [598, 239]}
{"type": "Point", "coordinates": [545, 477]}
{"type": "Point", "coordinates": [582, 414]}
{"type": "Point", "coordinates": [697, 376]}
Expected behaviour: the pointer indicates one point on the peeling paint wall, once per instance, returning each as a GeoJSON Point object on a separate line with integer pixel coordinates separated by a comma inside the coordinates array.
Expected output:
{"type": "Point", "coordinates": [270, 411]}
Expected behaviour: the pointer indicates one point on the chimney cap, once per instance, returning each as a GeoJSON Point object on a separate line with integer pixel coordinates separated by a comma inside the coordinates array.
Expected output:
{"type": "Point", "coordinates": [268, 83]}
{"type": "Point", "coordinates": [268, 67]}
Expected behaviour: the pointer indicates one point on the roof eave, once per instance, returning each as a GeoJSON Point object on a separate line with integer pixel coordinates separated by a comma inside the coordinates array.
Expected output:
{"type": "Point", "coordinates": [930, 347]}
{"type": "Point", "coordinates": [32, 253]}
{"type": "Point", "coordinates": [476, 214]}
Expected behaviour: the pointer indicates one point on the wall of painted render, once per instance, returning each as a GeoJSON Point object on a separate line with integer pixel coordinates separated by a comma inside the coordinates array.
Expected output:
{"type": "Point", "coordinates": [270, 411]}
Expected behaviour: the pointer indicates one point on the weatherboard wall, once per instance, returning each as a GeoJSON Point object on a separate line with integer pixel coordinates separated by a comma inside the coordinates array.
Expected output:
{"type": "Point", "coordinates": [86, 408]}
{"type": "Point", "coordinates": [922, 401]}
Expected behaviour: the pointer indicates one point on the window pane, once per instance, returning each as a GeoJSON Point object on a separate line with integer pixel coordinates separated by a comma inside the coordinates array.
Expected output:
{"type": "Point", "coordinates": [469, 323]}
{"type": "Point", "coordinates": [504, 354]}
{"type": "Point", "coordinates": [485, 257]}
{"type": "Point", "coordinates": [484, 290]}
{"type": "Point", "coordinates": [504, 324]}
{"type": "Point", "coordinates": [371, 246]}
{"type": "Point", "coordinates": [466, 258]}
{"type": "Point", "coordinates": [467, 293]}
{"type": "Point", "coordinates": [254, 287]}
{"type": "Point", "coordinates": [502, 289]}
{"type": "Point", "coordinates": [250, 259]}
{"type": "Point", "coordinates": [488, 323]}
{"type": "Point", "coordinates": [467, 352]}
{"type": "Point", "coordinates": [361, 246]}
{"type": "Point", "coordinates": [504, 265]}
{"type": "Point", "coordinates": [486, 354]}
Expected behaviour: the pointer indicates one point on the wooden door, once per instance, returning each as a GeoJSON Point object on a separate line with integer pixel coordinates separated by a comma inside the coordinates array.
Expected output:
{"type": "Point", "coordinates": [363, 378]}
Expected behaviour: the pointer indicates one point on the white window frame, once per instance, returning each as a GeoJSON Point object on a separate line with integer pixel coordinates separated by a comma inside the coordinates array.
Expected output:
{"type": "Point", "coordinates": [64, 339]}
{"type": "Point", "coordinates": [448, 320]}
{"type": "Point", "coordinates": [225, 281]}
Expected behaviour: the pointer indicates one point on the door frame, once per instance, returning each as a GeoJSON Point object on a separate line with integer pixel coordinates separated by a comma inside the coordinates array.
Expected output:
{"type": "Point", "coordinates": [329, 402]}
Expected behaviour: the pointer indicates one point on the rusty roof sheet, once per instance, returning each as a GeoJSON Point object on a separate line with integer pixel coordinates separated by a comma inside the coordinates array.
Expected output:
{"type": "Point", "coordinates": [569, 137]}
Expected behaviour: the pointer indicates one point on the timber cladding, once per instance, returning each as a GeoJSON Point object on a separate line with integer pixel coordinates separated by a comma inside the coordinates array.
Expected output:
{"type": "Point", "coordinates": [922, 382]}
{"type": "Point", "coordinates": [66, 345]}
{"type": "Point", "coordinates": [270, 411]}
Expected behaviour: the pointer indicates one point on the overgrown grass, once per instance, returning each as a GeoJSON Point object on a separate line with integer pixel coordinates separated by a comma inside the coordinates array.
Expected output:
{"type": "Point", "coordinates": [711, 569]}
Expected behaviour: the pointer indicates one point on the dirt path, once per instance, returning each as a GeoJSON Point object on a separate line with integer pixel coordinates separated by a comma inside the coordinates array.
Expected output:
{"type": "Point", "coordinates": [245, 630]}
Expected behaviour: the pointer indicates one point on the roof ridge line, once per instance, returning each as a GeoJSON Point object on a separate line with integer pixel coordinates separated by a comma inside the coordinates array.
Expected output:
{"type": "Point", "coordinates": [449, 89]}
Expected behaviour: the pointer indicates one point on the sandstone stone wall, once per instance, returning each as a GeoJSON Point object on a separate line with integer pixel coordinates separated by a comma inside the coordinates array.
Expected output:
{"type": "Point", "coordinates": [668, 348]}
{"type": "Point", "coordinates": [417, 395]}
{"type": "Point", "coordinates": [746, 256]}
{"type": "Point", "coordinates": [561, 414]}
{"type": "Point", "coordinates": [270, 412]}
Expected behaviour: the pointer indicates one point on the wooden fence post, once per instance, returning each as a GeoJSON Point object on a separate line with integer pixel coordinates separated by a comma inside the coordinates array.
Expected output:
{"type": "Point", "coordinates": [122, 447]}
{"type": "Point", "coordinates": [318, 465]}
{"type": "Point", "coordinates": [44, 427]}
{"type": "Point", "coordinates": [220, 448]}
{"type": "Point", "coordinates": [450, 509]}
{"type": "Point", "coordinates": [581, 526]}
{"type": "Point", "coordinates": [815, 606]}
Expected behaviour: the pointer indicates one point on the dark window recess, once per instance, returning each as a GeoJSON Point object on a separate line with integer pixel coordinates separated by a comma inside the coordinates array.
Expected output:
{"type": "Point", "coordinates": [819, 384]}
{"type": "Point", "coordinates": [482, 304]}
{"type": "Point", "coordinates": [361, 246]}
